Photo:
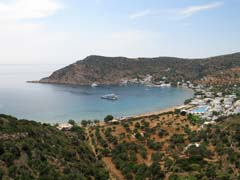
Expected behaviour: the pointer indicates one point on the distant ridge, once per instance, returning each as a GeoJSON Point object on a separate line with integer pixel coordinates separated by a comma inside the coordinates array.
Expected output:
{"type": "Point", "coordinates": [223, 69]}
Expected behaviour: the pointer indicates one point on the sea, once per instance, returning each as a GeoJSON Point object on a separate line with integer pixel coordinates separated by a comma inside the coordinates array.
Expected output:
{"type": "Point", "coordinates": [48, 103]}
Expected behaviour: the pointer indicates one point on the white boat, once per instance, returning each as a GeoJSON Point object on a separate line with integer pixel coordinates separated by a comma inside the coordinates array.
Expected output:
{"type": "Point", "coordinates": [110, 97]}
{"type": "Point", "coordinates": [94, 85]}
{"type": "Point", "coordinates": [159, 85]}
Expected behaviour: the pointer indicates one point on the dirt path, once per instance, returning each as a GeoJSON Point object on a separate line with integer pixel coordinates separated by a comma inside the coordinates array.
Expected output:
{"type": "Point", "coordinates": [114, 173]}
{"type": "Point", "coordinates": [90, 142]}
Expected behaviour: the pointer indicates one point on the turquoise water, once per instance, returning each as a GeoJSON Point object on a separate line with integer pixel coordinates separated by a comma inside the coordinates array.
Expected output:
{"type": "Point", "coordinates": [59, 103]}
{"type": "Point", "coordinates": [201, 109]}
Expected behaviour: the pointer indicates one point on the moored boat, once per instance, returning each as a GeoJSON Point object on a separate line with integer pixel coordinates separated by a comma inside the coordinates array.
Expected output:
{"type": "Point", "coordinates": [110, 97]}
{"type": "Point", "coordinates": [94, 85]}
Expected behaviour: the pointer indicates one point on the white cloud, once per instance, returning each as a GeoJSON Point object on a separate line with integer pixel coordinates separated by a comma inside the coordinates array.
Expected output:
{"type": "Point", "coordinates": [28, 9]}
{"type": "Point", "coordinates": [18, 15]}
{"type": "Point", "coordinates": [141, 14]}
{"type": "Point", "coordinates": [176, 14]}
{"type": "Point", "coordinates": [189, 11]}
{"type": "Point", "coordinates": [23, 36]}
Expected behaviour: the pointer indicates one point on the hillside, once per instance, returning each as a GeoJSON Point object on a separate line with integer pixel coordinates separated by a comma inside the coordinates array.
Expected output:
{"type": "Point", "coordinates": [30, 150]}
{"type": "Point", "coordinates": [165, 146]}
{"type": "Point", "coordinates": [170, 146]}
{"type": "Point", "coordinates": [114, 70]}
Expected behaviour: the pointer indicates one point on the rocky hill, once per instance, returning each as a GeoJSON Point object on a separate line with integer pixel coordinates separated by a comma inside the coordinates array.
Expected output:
{"type": "Point", "coordinates": [114, 70]}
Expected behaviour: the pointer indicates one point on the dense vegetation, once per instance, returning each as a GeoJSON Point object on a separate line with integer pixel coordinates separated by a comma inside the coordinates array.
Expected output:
{"type": "Point", "coordinates": [172, 147]}
{"type": "Point", "coordinates": [30, 150]}
{"type": "Point", "coordinates": [167, 146]}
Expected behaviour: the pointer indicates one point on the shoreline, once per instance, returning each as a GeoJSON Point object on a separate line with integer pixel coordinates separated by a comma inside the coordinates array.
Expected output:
{"type": "Point", "coordinates": [157, 112]}
{"type": "Point", "coordinates": [170, 109]}
{"type": "Point", "coordinates": [149, 114]}
{"type": "Point", "coordinates": [165, 110]}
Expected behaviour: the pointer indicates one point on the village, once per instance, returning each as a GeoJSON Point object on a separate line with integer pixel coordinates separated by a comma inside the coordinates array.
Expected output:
{"type": "Point", "coordinates": [147, 81]}
{"type": "Point", "coordinates": [208, 104]}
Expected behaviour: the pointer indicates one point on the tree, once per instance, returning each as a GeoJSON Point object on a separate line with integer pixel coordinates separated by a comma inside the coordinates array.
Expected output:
{"type": "Point", "coordinates": [96, 121]}
{"type": "Point", "coordinates": [8, 158]}
{"type": "Point", "coordinates": [1, 174]}
{"type": "Point", "coordinates": [187, 101]}
{"type": "Point", "coordinates": [210, 171]}
{"type": "Point", "coordinates": [84, 123]}
{"type": "Point", "coordinates": [137, 125]}
{"type": "Point", "coordinates": [80, 132]}
{"type": "Point", "coordinates": [89, 122]}
{"type": "Point", "coordinates": [72, 122]}
{"type": "Point", "coordinates": [168, 163]}
{"type": "Point", "coordinates": [177, 138]}
{"type": "Point", "coordinates": [177, 111]}
{"type": "Point", "coordinates": [1, 149]}
{"type": "Point", "coordinates": [143, 152]}
{"type": "Point", "coordinates": [108, 118]}
{"type": "Point", "coordinates": [155, 171]}
{"type": "Point", "coordinates": [156, 157]}
{"type": "Point", "coordinates": [141, 171]}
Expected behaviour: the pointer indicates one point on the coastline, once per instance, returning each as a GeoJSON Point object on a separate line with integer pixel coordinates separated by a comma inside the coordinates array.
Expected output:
{"type": "Point", "coordinates": [165, 110]}
{"type": "Point", "coordinates": [170, 109]}
{"type": "Point", "coordinates": [66, 125]}
{"type": "Point", "coordinates": [149, 114]}
{"type": "Point", "coordinates": [137, 116]}
{"type": "Point", "coordinates": [152, 113]}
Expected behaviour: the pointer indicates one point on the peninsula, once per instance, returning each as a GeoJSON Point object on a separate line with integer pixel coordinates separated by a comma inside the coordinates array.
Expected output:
{"type": "Point", "coordinates": [219, 70]}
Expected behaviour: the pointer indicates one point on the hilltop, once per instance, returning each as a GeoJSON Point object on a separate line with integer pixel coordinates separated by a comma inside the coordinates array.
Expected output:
{"type": "Point", "coordinates": [115, 70]}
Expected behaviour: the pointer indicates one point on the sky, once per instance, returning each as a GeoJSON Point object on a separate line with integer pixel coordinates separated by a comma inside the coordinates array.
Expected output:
{"type": "Point", "coordinates": [64, 31]}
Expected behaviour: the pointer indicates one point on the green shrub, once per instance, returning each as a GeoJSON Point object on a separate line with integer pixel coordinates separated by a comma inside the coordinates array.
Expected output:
{"type": "Point", "coordinates": [108, 118]}
{"type": "Point", "coordinates": [8, 158]}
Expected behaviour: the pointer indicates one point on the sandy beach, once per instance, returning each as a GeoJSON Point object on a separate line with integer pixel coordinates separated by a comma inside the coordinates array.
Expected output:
{"type": "Point", "coordinates": [157, 112]}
